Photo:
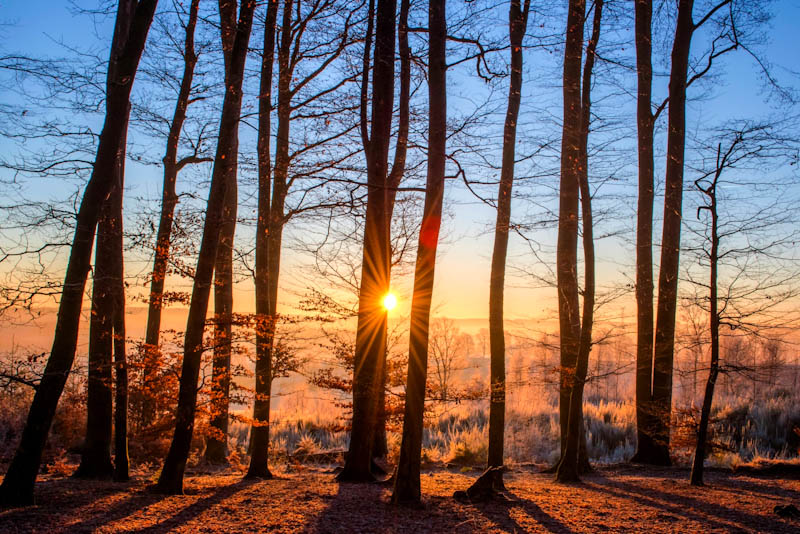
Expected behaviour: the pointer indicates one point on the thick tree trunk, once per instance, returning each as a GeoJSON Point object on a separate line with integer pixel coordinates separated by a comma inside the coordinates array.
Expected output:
{"type": "Point", "coordinates": [671, 238]}
{"type": "Point", "coordinates": [517, 22]}
{"type": "Point", "coordinates": [130, 32]}
{"type": "Point", "coordinates": [644, 234]}
{"type": "Point", "coordinates": [171, 478]}
{"type": "Point", "coordinates": [371, 329]}
{"type": "Point", "coordinates": [96, 452]}
{"type": "Point", "coordinates": [265, 320]}
{"type": "Point", "coordinates": [407, 483]}
{"type": "Point", "coordinates": [169, 199]}
{"type": "Point", "coordinates": [572, 464]}
{"type": "Point", "coordinates": [567, 244]}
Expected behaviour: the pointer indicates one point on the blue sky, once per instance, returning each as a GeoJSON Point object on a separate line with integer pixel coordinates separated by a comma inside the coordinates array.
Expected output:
{"type": "Point", "coordinates": [35, 27]}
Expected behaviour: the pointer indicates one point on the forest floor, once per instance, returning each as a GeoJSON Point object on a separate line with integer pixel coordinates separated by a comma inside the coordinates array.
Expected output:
{"type": "Point", "coordinates": [612, 499]}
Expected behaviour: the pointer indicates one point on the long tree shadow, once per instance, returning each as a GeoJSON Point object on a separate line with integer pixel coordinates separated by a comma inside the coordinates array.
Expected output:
{"type": "Point", "coordinates": [343, 508]}
{"type": "Point", "coordinates": [499, 514]}
{"type": "Point", "coordinates": [60, 494]}
{"type": "Point", "coordinates": [687, 506]}
{"type": "Point", "coordinates": [184, 515]}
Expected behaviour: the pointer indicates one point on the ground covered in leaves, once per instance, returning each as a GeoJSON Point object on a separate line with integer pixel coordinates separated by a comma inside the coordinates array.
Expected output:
{"type": "Point", "coordinates": [614, 499]}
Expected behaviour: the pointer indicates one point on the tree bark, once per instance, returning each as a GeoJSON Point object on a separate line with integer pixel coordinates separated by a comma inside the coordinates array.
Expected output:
{"type": "Point", "coordinates": [380, 444]}
{"type": "Point", "coordinates": [644, 233]}
{"type": "Point", "coordinates": [265, 311]}
{"type": "Point", "coordinates": [567, 243]}
{"type": "Point", "coordinates": [572, 464]}
{"type": "Point", "coordinates": [517, 22]}
{"type": "Point", "coordinates": [130, 32]}
{"type": "Point", "coordinates": [169, 199]}
{"type": "Point", "coordinates": [217, 441]}
{"type": "Point", "coordinates": [171, 478]}
{"type": "Point", "coordinates": [671, 237]}
{"type": "Point", "coordinates": [96, 451]}
{"type": "Point", "coordinates": [120, 358]}
{"type": "Point", "coordinates": [407, 482]}
{"type": "Point", "coordinates": [371, 330]}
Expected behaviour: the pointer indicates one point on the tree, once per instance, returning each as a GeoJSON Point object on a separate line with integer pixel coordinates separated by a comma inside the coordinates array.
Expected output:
{"type": "Point", "coordinates": [407, 483]}
{"type": "Point", "coordinates": [217, 440]}
{"type": "Point", "coordinates": [654, 390]}
{"type": "Point", "coordinates": [303, 86]}
{"type": "Point", "coordinates": [371, 329]}
{"type": "Point", "coordinates": [106, 352]}
{"type": "Point", "coordinates": [517, 23]}
{"type": "Point", "coordinates": [446, 345]}
{"type": "Point", "coordinates": [265, 308]}
{"type": "Point", "coordinates": [171, 479]}
{"type": "Point", "coordinates": [130, 32]}
{"type": "Point", "coordinates": [752, 295]}
{"type": "Point", "coordinates": [575, 185]}
{"type": "Point", "coordinates": [169, 200]}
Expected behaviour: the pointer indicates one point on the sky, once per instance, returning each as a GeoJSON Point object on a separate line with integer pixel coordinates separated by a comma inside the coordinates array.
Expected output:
{"type": "Point", "coordinates": [35, 27]}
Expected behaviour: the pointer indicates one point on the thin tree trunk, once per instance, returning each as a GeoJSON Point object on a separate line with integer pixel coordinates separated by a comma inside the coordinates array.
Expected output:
{"type": "Point", "coordinates": [380, 445]}
{"type": "Point", "coordinates": [572, 464]}
{"type": "Point", "coordinates": [120, 357]}
{"type": "Point", "coordinates": [169, 199]}
{"type": "Point", "coordinates": [171, 478]}
{"type": "Point", "coordinates": [407, 482]}
{"type": "Point", "coordinates": [259, 430]}
{"type": "Point", "coordinates": [130, 32]}
{"type": "Point", "coordinates": [217, 441]}
{"type": "Point", "coordinates": [517, 22]}
{"type": "Point", "coordinates": [567, 244]}
{"type": "Point", "coordinates": [671, 238]}
{"type": "Point", "coordinates": [644, 233]}
{"type": "Point", "coordinates": [696, 477]}
{"type": "Point", "coordinates": [371, 330]}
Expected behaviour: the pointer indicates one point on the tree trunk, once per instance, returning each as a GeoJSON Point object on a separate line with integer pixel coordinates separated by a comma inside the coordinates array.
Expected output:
{"type": "Point", "coordinates": [671, 239]}
{"type": "Point", "coordinates": [407, 483]}
{"type": "Point", "coordinates": [265, 322]}
{"type": "Point", "coordinates": [644, 233]}
{"type": "Point", "coordinates": [171, 478]}
{"type": "Point", "coordinates": [217, 441]}
{"type": "Point", "coordinates": [696, 477]}
{"type": "Point", "coordinates": [120, 357]}
{"type": "Point", "coordinates": [371, 330]}
{"type": "Point", "coordinates": [96, 452]}
{"type": "Point", "coordinates": [572, 464]}
{"type": "Point", "coordinates": [380, 445]}
{"type": "Point", "coordinates": [567, 244]}
{"type": "Point", "coordinates": [169, 200]}
{"type": "Point", "coordinates": [517, 22]}
{"type": "Point", "coordinates": [130, 32]}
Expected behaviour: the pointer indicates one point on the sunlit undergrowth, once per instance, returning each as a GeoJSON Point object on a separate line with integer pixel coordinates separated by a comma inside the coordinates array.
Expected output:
{"type": "Point", "coordinates": [743, 431]}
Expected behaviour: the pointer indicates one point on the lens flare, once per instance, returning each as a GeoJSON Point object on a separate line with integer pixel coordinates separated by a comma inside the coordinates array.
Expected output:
{"type": "Point", "coordinates": [390, 301]}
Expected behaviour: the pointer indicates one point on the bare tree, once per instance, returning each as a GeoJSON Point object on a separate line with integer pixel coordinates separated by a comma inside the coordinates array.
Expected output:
{"type": "Point", "coordinates": [752, 296]}
{"type": "Point", "coordinates": [130, 32]}
{"type": "Point", "coordinates": [407, 483]}
{"type": "Point", "coordinates": [171, 479]}
{"type": "Point", "coordinates": [371, 329]}
{"type": "Point", "coordinates": [517, 23]}
{"type": "Point", "coordinates": [575, 185]}
{"type": "Point", "coordinates": [169, 200]}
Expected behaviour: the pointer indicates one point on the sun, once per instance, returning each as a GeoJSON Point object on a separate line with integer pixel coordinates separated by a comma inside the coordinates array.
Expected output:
{"type": "Point", "coordinates": [390, 301]}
